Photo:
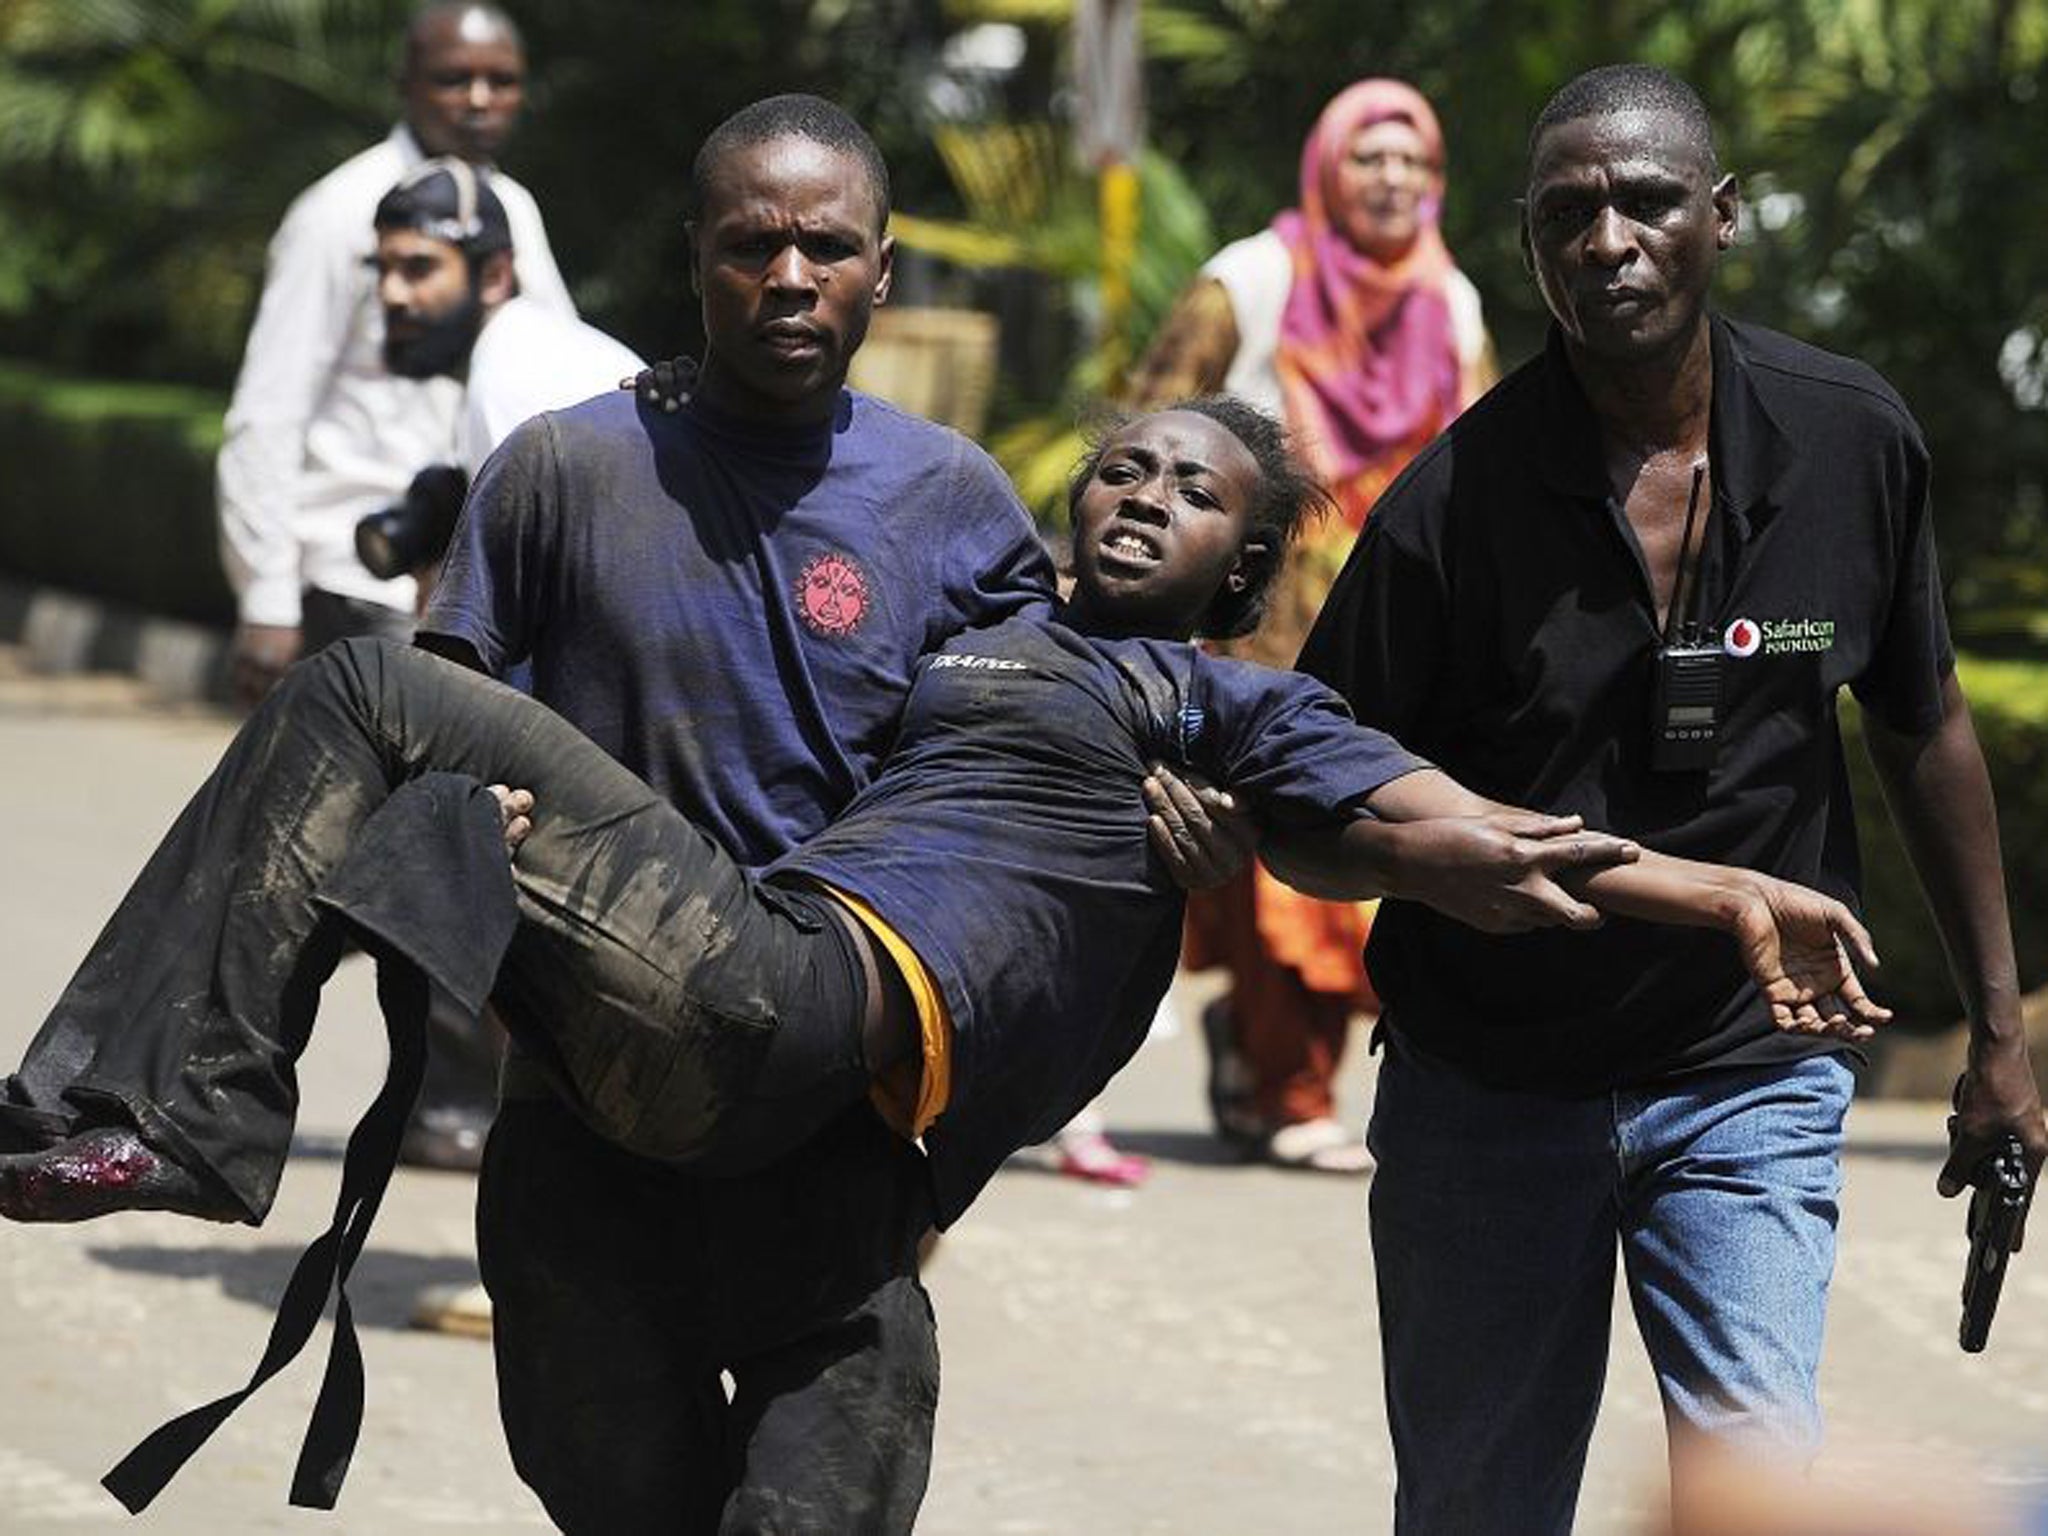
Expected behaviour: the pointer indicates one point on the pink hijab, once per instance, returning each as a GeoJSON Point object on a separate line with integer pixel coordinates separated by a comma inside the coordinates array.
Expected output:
{"type": "Point", "coordinates": [1367, 361]}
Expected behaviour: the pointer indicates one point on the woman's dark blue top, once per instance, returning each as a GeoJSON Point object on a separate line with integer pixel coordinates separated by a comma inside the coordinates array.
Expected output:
{"type": "Point", "coordinates": [1005, 839]}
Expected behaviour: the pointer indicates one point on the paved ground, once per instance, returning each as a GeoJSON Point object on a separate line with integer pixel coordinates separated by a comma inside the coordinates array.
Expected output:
{"type": "Point", "coordinates": [1194, 1358]}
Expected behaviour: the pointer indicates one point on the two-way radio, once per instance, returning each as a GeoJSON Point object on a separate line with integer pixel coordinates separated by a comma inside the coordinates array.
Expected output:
{"type": "Point", "coordinates": [1685, 701]}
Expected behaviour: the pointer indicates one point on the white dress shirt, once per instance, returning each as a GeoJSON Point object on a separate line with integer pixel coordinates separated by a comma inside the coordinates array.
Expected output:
{"type": "Point", "coordinates": [531, 359]}
{"type": "Point", "coordinates": [318, 432]}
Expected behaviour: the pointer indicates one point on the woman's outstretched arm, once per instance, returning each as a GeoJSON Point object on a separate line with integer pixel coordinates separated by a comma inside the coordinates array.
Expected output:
{"type": "Point", "coordinates": [1431, 840]}
{"type": "Point", "coordinates": [1509, 870]}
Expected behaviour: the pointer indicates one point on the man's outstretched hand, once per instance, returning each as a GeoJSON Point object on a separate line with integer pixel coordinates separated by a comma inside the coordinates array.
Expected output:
{"type": "Point", "coordinates": [1802, 949]}
{"type": "Point", "coordinates": [1498, 872]}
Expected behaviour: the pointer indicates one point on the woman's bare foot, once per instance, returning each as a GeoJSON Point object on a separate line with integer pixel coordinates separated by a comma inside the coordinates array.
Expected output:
{"type": "Point", "coordinates": [515, 808]}
{"type": "Point", "coordinates": [101, 1171]}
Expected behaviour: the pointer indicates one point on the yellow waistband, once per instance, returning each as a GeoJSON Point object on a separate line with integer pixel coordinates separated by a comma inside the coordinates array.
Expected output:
{"type": "Point", "coordinates": [908, 1098]}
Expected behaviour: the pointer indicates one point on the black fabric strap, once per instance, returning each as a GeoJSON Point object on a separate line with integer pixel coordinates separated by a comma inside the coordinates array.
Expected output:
{"type": "Point", "coordinates": [445, 830]}
{"type": "Point", "coordinates": [330, 1442]}
{"type": "Point", "coordinates": [323, 1268]}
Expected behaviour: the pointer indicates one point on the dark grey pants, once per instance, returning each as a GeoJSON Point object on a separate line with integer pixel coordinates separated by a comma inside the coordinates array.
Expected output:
{"type": "Point", "coordinates": [462, 1053]}
{"type": "Point", "coordinates": [652, 980]}
{"type": "Point", "coordinates": [622, 1289]}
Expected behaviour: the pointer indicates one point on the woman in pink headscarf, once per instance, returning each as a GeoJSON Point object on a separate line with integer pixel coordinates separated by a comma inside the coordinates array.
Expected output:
{"type": "Point", "coordinates": [1348, 317]}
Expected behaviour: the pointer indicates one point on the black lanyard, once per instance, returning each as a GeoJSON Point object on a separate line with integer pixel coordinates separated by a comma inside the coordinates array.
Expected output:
{"type": "Point", "coordinates": [1688, 631]}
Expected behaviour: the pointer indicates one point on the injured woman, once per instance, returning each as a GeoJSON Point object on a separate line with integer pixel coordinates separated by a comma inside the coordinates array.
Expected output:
{"type": "Point", "coordinates": [978, 942]}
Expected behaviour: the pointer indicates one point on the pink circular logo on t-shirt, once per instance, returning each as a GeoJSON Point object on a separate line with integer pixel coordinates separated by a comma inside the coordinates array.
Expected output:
{"type": "Point", "coordinates": [1742, 638]}
{"type": "Point", "coordinates": [832, 595]}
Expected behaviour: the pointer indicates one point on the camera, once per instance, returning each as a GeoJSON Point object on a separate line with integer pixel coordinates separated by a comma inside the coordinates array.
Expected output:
{"type": "Point", "coordinates": [413, 532]}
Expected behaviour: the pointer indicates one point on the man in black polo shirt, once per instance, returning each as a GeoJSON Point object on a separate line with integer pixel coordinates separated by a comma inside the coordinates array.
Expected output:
{"type": "Point", "coordinates": [1548, 1097]}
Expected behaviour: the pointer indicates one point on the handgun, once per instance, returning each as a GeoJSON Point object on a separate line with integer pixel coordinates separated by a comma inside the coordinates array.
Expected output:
{"type": "Point", "coordinates": [1998, 1206]}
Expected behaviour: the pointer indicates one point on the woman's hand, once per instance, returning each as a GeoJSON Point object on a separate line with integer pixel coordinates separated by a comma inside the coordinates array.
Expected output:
{"type": "Point", "coordinates": [1803, 949]}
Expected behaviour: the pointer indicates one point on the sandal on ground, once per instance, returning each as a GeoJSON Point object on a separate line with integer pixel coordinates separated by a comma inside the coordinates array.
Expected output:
{"type": "Point", "coordinates": [1093, 1156]}
{"type": "Point", "coordinates": [1318, 1146]}
{"type": "Point", "coordinates": [459, 1309]}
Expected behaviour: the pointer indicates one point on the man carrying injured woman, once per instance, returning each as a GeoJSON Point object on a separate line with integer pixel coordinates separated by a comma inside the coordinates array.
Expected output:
{"type": "Point", "coordinates": [989, 903]}
{"type": "Point", "coordinates": [980, 940]}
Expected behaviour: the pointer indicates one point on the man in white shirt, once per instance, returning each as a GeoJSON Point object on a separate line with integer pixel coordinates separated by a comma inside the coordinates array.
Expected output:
{"type": "Point", "coordinates": [320, 432]}
{"type": "Point", "coordinates": [530, 359]}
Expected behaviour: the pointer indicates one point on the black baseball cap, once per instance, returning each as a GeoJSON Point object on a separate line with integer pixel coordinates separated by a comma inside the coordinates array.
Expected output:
{"type": "Point", "coordinates": [448, 199]}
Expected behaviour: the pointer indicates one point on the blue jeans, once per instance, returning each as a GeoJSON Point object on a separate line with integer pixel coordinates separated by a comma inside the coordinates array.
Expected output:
{"type": "Point", "coordinates": [1495, 1221]}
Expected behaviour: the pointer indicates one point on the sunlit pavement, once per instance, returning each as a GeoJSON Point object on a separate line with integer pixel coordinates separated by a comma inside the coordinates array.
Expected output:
{"type": "Point", "coordinates": [1196, 1356]}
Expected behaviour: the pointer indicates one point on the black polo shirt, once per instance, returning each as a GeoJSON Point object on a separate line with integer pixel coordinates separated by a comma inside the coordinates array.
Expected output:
{"type": "Point", "coordinates": [1496, 617]}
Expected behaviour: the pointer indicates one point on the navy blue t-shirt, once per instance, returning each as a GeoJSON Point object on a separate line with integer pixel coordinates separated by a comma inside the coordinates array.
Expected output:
{"type": "Point", "coordinates": [734, 611]}
{"type": "Point", "coordinates": [1006, 841]}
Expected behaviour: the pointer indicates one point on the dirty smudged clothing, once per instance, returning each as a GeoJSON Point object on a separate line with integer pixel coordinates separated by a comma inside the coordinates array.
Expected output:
{"type": "Point", "coordinates": [648, 563]}
{"type": "Point", "coordinates": [681, 1007]}
{"type": "Point", "coordinates": [658, 984]}
{"type": "Point", "coordinates": [1006, 841]}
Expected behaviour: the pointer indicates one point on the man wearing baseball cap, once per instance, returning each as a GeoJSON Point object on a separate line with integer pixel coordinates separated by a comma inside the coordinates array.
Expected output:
{"type": "Point", "coordinates": [448, 283]}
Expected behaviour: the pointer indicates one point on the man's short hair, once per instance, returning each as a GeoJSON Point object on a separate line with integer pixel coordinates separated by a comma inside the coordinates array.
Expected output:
{"type": "Point", "coordinates": [448, 199]}
{"type": "Point", "coordinates": [795, 116]}
{"type": "Point", "coordinates": [436, 11]}
{"type": "Point", "coordinates": [1614, 88]}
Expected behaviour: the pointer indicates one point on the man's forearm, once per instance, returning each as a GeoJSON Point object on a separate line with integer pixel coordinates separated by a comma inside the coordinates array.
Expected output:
{"type": "Point", "coordinates": [1373, 858]}
{"type": "Point", "coordinates": [294, 347]}
{"type": "Point", "coordinates": [256, 483]}
{"type": "Point", "coordinates": [1431, 840]}
{"type": "Point", "coordinates": [1661, 889]}
{"type": "Point", "coordinates": [1940, 798]}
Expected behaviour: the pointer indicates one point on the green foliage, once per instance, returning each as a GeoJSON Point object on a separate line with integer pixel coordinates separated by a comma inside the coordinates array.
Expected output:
{"type": "Point", "coordinates": [2000, 604]}
{"type": "Point", "coordinates": [1030, 207]}
{"type": "Point", "coordinates": [2009, 701]}
{"type": "Point", "coordinates": [194, 414]}
{"type": "Point", "coordinates": [1889, 148]}
{"type": "Point", "coordinates": [147, 149]}
{"type": "Point", "coordinates": [623, 92]}
{"type": "Point", "coordinates": [120, 503]}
